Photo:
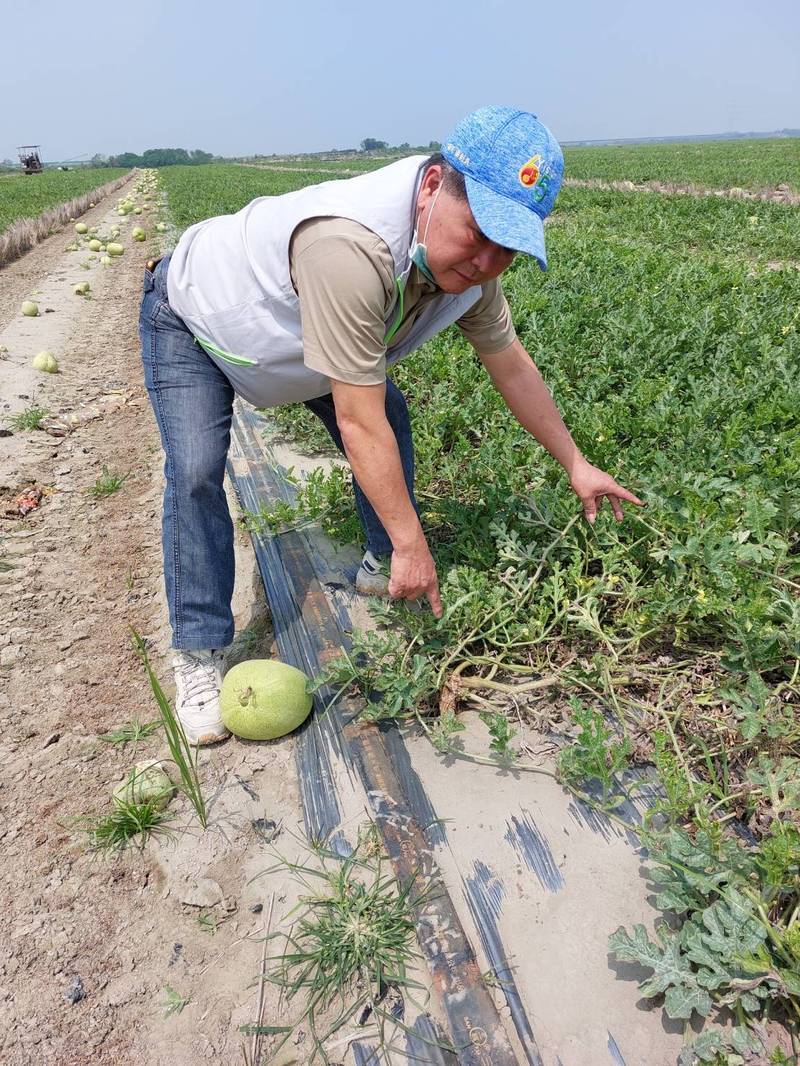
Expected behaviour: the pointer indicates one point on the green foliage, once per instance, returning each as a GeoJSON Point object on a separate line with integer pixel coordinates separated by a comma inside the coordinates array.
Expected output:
{"type": "Point", "coordinates": [184, 758]}
{"type": "Point", "coordinates": [173, 1002]}
{"type": "Point", "coordinates": [131, 733]}
{"type": "Point", "coordinates": [28, 195]}
{"type": "Point", "coordinates": [728, 951]}
{"type": "Point", "coordinates": [713, 1044]}
{"type": "Point", "coordinates": [748, 164]}
{"type": "Point", "coordinates": [161, 157]}
{"type": "Point", "coordinates": [352, 940]}
{"type": "Point", "coordinates": [107, 484]}
{"type": "Point", "coordinates": [198, 192]}
{"type": "Point", "coordinates": [667, 329]}
{"type": "Point", "coordinates": [126, 823]}
{"type": "Point", "coordinates": [595, 755]}
{"type": "Point", "coordinates": [30, 418]}
{"type": "Point", "coordinates": [501, 733]}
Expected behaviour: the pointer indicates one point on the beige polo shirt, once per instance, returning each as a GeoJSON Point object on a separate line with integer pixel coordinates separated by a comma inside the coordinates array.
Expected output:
{"type": "Point", "coordinates": [344, 278]}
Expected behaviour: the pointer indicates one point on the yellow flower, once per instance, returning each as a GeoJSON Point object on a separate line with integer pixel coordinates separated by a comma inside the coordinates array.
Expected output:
{"type": "Point", "coordinates": [786, 329]}
{"type": "Point", "coordinates": [752, 219]}
{"type": "Point", "coordinates": [701, 596]}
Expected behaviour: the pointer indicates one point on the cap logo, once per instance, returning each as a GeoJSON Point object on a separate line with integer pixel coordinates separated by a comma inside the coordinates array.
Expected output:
{"type": "Point", "coordinates": [462, 157]}
{"type": "Point", "coordinates": [529, 172]}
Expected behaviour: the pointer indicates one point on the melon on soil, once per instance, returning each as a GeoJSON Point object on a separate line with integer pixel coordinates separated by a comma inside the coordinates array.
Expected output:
{"type": "Point", "coordinates": [147, 782]}
{"type": "Point", "coordinates": [46, 362]}
{"type": "Point", "coordinates": [262, 699]}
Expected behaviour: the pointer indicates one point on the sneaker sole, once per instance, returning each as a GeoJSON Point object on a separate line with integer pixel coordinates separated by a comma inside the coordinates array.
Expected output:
{"type": "Point", "coordinates": [205, 739]}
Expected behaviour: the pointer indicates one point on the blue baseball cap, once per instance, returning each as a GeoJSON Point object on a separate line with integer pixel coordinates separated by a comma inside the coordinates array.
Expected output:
{"type": "Point", "coordinates": [513, 166]}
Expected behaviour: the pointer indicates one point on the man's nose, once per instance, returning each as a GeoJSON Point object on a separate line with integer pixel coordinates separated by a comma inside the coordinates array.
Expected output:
{"type": "Point", "coordinates": [485, 261]}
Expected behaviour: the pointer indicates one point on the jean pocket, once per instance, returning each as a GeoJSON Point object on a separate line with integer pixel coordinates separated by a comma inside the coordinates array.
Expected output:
{"type": "Point", "coordinates": [149, 281]}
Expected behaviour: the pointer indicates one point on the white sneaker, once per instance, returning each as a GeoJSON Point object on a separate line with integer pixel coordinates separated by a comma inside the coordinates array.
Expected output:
{"type": "Point", "coordinates": [198, 678]}
{"type": "Point", "coordinates": [372, 578]}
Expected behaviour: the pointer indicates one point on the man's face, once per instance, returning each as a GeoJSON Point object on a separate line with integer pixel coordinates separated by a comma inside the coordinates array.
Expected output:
{"type": "Point", "coordinates": [459, 255]}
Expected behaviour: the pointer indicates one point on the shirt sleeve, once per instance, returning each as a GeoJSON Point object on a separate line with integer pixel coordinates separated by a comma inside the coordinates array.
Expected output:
{"type": "Point", "coordinates": [339, 269]}
{"type": "Point", "coordinates": [487, 325]}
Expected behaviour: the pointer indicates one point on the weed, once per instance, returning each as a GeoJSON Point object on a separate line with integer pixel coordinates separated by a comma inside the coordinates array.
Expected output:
{"type": "Point", "coordinates": [124, 824]}
{"type": "Point", "coordinates": [180, 749]}
{"type": "Point", "coordinates": [106, 484]}
{"type": "Point", "coordinates": [131, 733]}
{"type": "Point", "coordinates": [30, 418]}
{"type": "Point", "coordinates": [173, 1002]}
{"type": "Point", "coordinates": [210, 923]}
{"type": "Point", "coordinates": [352, 942]}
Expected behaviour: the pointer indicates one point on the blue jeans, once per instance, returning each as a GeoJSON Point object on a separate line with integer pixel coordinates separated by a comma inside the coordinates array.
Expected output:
{"type": "Point", "coordinates": [193, 404]}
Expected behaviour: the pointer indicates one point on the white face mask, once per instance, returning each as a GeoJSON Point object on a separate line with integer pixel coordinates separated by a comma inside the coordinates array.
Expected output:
{"type": "Point", "coordinates": [419, 252]}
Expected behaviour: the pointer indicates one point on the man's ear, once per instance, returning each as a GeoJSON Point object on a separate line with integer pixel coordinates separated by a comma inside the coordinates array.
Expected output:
{"type": "Point", "coordinates": [431, 181]}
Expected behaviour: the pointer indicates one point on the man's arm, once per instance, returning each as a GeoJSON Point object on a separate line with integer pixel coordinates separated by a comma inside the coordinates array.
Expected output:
{"type": "Point", "coordinates": [516, 377]}
{"type": "Point", "coordinates": [371, 449]}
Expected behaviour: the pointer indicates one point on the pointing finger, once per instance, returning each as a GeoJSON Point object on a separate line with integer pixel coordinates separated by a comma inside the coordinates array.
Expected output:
{"type": "Point", "coordinates": [623, 494]}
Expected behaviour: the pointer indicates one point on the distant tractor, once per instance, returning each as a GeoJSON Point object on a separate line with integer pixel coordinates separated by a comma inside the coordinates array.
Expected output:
{"type": "Point", "coordinates": [29, 158]}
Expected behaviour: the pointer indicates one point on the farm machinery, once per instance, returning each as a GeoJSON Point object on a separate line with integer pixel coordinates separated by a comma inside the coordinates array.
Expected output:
{"type": "Point", "coordinates": [29, 158]}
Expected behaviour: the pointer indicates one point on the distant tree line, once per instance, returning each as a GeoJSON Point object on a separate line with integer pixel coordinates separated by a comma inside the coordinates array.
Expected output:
{"type": "Point", "coordinates": [370, 144]}
{"type": "Point", "coordinates": [154, 157]}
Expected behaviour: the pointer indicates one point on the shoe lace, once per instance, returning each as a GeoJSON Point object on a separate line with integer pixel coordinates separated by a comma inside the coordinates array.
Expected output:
{"type": "Point", "coordinates": [199, 675]}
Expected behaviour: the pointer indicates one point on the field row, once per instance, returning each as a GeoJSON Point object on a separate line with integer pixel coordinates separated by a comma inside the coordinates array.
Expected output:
{"type": "Point", "coordinates": [685, 225]}
{"type": "Point", "coordinates": [717, 164]}
{"type": "Point", "coordinates": [28, 195]}
{"type": "Point", "coordinates": [672, 638]}
{"type": "Point", "coordinates": [745, 164]}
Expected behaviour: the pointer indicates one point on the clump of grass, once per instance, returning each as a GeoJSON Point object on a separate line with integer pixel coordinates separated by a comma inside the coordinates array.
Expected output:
{"type": "Point", "coordinates": [353, 941]}
{"type": "Point", "coordinates": [180, 749]}
{"type": "Point", "coordinates": [30, 418]}
{"type": "Point", "coordinates": [131, 733]}
{"type": "Point", "coordinates": [124, 824]}
{"type": "Point", "coordinates": [107, 483]}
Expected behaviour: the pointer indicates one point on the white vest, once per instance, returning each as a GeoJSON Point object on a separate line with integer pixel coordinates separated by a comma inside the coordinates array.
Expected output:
{"type": "Point", "coordinates": [228, 279]}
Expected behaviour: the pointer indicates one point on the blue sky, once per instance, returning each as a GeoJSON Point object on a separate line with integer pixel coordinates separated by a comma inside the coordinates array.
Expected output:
{"type": "Point", "coordinates": [238, 77]}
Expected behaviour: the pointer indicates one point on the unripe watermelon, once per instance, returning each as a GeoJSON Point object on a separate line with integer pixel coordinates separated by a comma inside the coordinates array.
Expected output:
{"type": "Point", "coordinates": [262, 699]}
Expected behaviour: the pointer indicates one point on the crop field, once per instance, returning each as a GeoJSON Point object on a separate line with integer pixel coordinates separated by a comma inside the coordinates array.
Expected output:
{"type": "Point", "coordinates": [28, 195]}
{"type": "Point", "coordinates": [718, 164]}
{"type": "Point", "coordinates": [668, 330]}
{"type": "Point", "coordinates": [744, 164]}
{"type": "Point", "coordinates": [197, 192]}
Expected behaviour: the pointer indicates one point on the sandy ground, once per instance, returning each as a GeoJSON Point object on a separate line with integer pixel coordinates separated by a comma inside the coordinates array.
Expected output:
{"type": "Point", "coordinates": [91, 944]}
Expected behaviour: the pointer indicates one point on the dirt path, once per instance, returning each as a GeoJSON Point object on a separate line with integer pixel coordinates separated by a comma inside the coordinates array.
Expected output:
{"type": "Point", "coordinates": [90, 944]}
{"type": "Point", "coordinates": [778, 194]}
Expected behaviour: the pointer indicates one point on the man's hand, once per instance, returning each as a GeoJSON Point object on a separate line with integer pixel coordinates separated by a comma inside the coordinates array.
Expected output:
{"type": "Point", "coordinates": [591, 484]}
{"type": "Point", "coordinates": [413, 574]}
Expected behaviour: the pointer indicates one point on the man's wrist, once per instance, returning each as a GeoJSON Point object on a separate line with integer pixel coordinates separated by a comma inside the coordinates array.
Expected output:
{"type": "Point", "coordinates": [577, 466]}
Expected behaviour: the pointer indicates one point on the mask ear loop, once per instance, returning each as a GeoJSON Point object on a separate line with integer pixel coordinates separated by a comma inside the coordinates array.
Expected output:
{"type": "Point", "coordinates": [428, 219]}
